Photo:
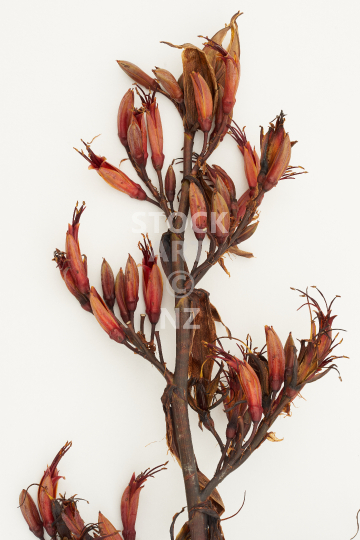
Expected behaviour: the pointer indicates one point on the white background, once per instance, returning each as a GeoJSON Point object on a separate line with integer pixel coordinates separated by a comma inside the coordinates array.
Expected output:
{"type": "Point", "coordinates": [62, 378]}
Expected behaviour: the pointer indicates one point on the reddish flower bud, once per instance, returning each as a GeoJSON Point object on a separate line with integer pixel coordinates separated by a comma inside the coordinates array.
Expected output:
{"type": "Point", "coordinates": [105, 317]}
{"type": "Point", "coordinates": [276, 359]}
{"type": "Point", "coordinates": [170, 84]}
{"type": "Point", "coordinates": [73, 266]}
{"type": "Point", "coordinates": [31, 514]}
{"type": "Point", "coordinates": [227, 180]}
{"type": "Point", "coordinates": [220, 218]}
{"type": "Point", "coordinates": [130, 501]}
{"type": "Point", "coordinates": [136, 141]}
{"type": "Point", "coordinates": [47, 491]}
{"type": "Point", "coordinates": [279, 166]}
{"type": "Point", "coordinates": [108, 284]}
{"type": "Point", "coordinates": [152, 282]}
{"type": "Point", "coordinates": [77, 265]}
{"type": "Point", "coordinates": [113, 176]}
{"type": "Point", "coordinates": [107, 529]}
{"type": "Point", "coordinates": [65, 272]}
{"type": "Point", "coordinates": [73, 521]}
{"type": "Point", "coordinates": [198, 211]}
{"type": "Point", "coordinates": [290, 358]}
{"type": "Point", "coordinates": [137, 75]}
{"type": "Point", "coordinates": [155, 135]}
{"type": "Point", "coordinates": [252, 388]}
{"type": "Point", "coordinates": [170, 184]}
{"type": "Point", "coordinates": [131, 284]}
{"type": "Point", "coordinates": [140, 118]}
{"type": "Point", "coordinates": [124, 116]}
{"type": "Point", "coordinates": [251, 164]}
{"type": "Point", "coordinates": [241, 205]}
{"type": "Point", "coordinates": [235, 394]}
{"type": "Point", "coordinates": [275, 153]}
{"type": "Point", "coordinates": [120, 296]}
{"type": "Point", "coordinates": [153, 294]}
{"type": "Point", "coordinates": [232, 78]}
{"type": "Point", "coordinates": [203, 101]}
{"type": "Point", "coordinates": [223, 190]}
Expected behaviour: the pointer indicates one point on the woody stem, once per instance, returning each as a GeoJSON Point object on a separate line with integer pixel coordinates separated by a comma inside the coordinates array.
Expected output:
{"type": "Point", "coordinates": [184, 198]}
{"type": "Point", "coordinates": [198, 521]}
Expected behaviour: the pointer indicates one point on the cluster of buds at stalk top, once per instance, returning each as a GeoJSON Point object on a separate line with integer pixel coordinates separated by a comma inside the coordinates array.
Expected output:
{"type": "Point", "coordinates": [152, 282]}
{"type": "Point", "coordinates": [112, 175]}
{"type": "Point", "coordinates": [60, 516]}
{"type": "Point", "coordinates": [130, 500]}
{"type": "Point", "coordinates": [72, 265]}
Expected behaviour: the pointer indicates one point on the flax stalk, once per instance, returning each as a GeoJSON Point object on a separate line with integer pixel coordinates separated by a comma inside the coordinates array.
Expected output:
{"type": "Point", "coordinates": [198, 521]}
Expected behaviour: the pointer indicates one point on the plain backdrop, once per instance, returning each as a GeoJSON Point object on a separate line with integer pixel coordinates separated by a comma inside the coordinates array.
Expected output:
{"type": "Point", "coordinates": [62, 378]}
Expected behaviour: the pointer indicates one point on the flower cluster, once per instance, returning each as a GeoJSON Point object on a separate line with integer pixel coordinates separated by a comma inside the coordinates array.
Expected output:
{"type": "Point", "coordinates": [257, 388]}
{"type": "Point", "coordinates": [60, 517]}
{"type": "Point", "coordinates": [124, 289]}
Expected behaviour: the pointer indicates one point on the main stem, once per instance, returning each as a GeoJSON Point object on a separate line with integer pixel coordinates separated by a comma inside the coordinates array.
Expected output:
{"type": "Point", "coordinates": [197, 521]}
